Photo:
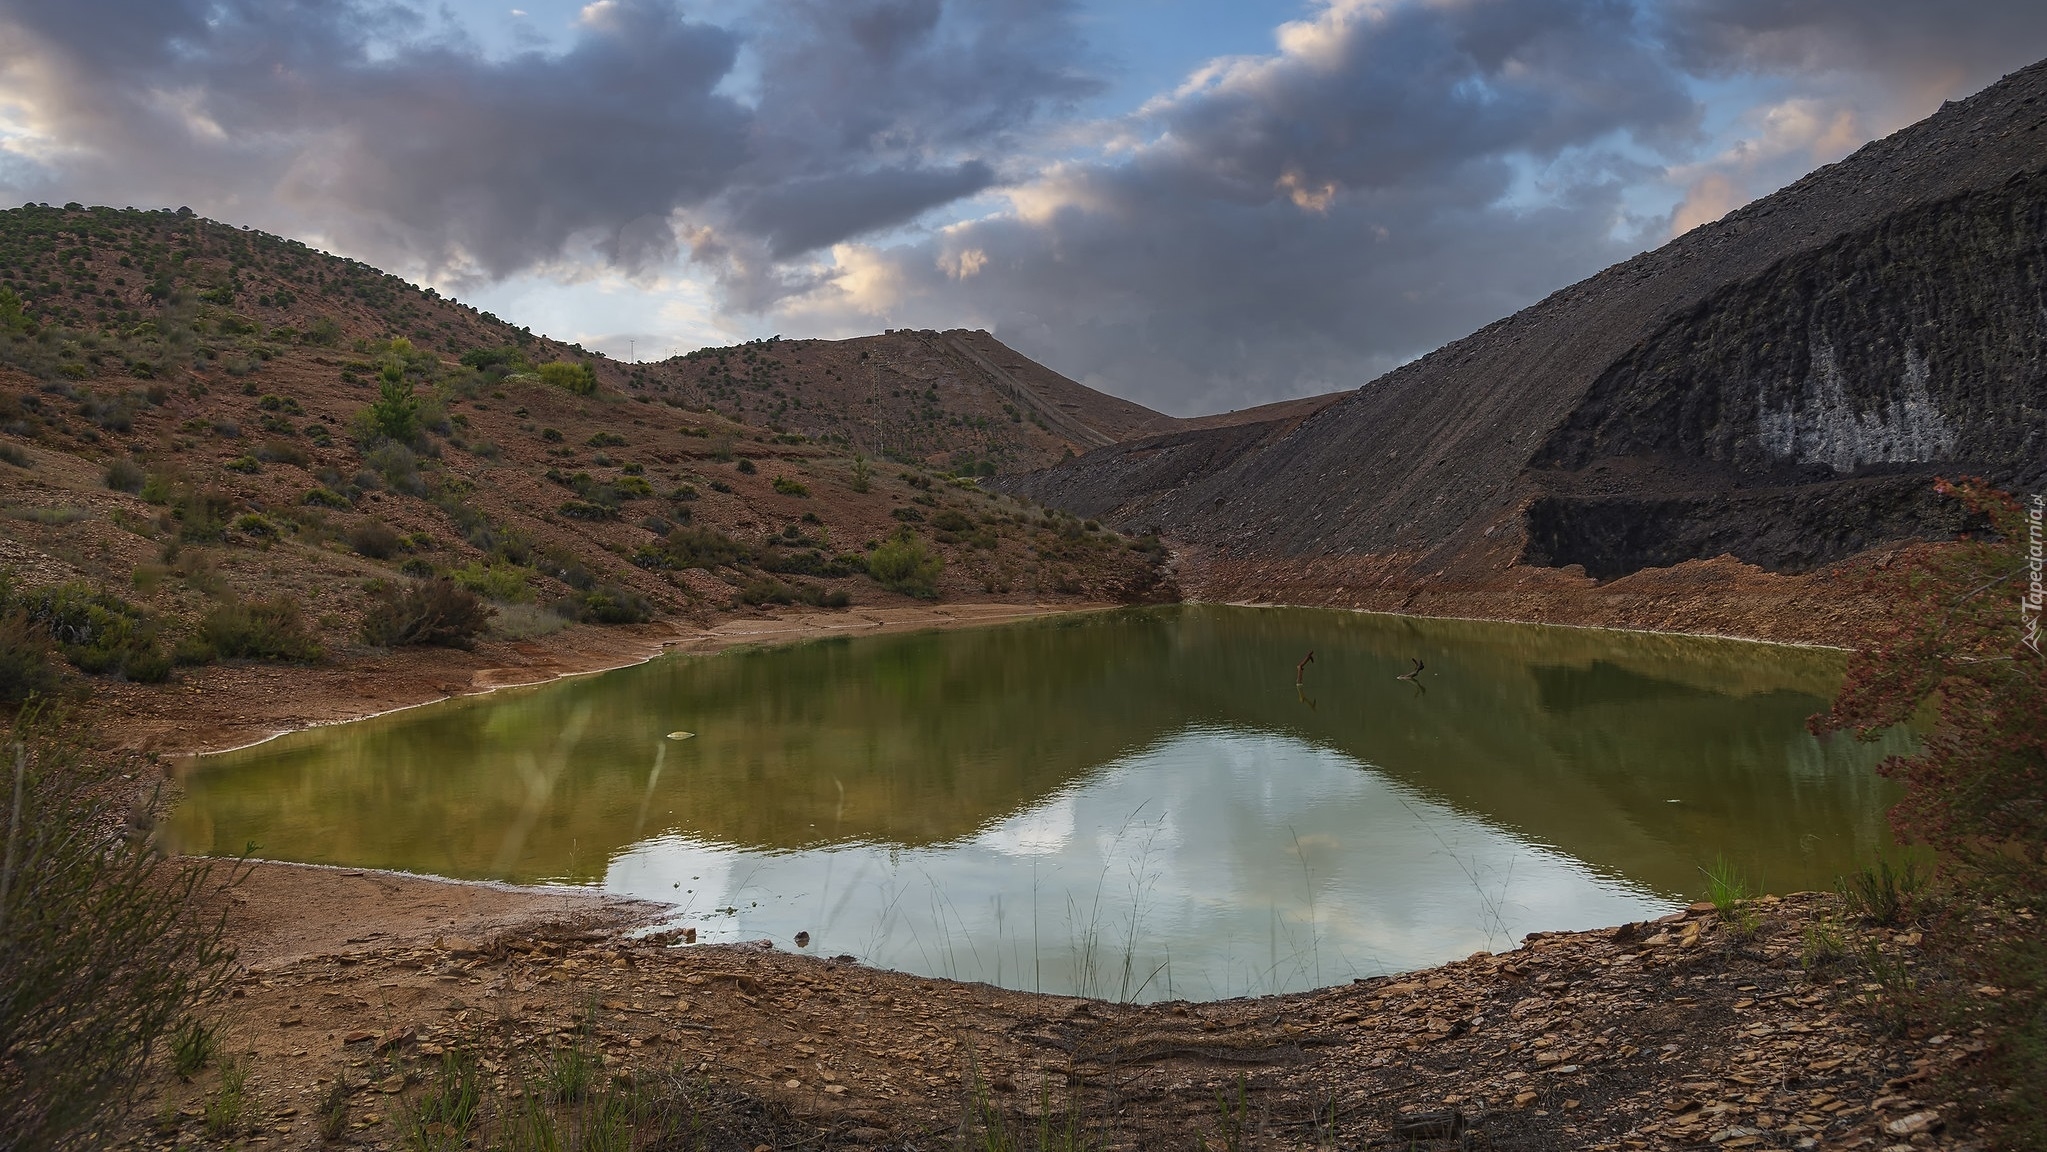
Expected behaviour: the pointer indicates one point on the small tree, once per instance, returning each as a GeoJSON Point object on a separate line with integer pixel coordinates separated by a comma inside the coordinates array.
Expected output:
{"type": "Point", "coordinates": [396, 410]}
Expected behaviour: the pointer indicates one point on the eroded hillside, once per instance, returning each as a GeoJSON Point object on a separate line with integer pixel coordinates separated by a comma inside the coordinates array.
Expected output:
{"type": "Point", "coordinates": [1780, 386]}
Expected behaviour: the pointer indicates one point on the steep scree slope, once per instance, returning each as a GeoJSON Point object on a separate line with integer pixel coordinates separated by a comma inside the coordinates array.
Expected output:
{"type": "Point", "coordinates": [1778, 385]}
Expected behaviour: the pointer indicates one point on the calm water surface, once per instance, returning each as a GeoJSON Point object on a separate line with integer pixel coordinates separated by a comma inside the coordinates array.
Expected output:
{"type": "Point", "coordinates": [1137, 804]}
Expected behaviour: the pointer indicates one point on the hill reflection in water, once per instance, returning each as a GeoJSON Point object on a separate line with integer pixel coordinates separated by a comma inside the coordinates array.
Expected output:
{"type": "Point", "coordinates": [1046, 804]}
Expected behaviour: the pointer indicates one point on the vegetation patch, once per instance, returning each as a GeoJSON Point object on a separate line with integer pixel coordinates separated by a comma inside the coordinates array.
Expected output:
{"type": "Point", "coordinates": [430, 612]}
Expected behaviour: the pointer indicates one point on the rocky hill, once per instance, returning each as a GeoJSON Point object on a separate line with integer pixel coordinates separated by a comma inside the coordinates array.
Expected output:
{"type": "Point", "coordinates": [1780, 386]}
{"type": "Point", "coordinates": [219, 446]}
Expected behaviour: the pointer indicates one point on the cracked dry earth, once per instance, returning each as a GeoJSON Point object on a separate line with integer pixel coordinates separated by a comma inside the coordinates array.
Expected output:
{"type": "Point", "coordinates": [1658, 1035]}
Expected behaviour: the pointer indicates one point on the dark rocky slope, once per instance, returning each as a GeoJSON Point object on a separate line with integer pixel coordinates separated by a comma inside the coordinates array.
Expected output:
{"type": "Point", "coordinates": [1779, 385]}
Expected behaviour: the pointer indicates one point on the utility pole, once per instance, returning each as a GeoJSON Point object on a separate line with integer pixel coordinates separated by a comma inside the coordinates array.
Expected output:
{"type": "Point", "coordinates": [632, 351]}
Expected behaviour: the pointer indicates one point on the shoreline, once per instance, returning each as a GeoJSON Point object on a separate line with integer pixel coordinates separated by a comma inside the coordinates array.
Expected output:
{"type": "Point", "coordinates": [799, 627]}
{"type": "Point", "coordinates": [716, 639]}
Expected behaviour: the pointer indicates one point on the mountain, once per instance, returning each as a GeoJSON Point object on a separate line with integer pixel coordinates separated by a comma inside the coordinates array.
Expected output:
{"type": "Point", "coordinates": [1779, 386]}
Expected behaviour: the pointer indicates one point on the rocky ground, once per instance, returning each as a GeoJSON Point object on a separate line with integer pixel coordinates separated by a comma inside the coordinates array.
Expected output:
{"type": "Point", "coordinates": [1679, 1033]}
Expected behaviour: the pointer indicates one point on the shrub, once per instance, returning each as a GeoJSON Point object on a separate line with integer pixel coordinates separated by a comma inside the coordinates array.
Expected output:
{"type": "Point", "coordinates": [431, 612]}
{"type": "Point", "coordinates": [526, 621]}
{"type": "Point", "coordinates": [245, 464]}
{"type": "Point", "coordinates": [281, 452]}
{"type": "Point", "coordinates": [905, 564]}
{"type": "Point", "coordinates": [605, 440]}
{"type": "Point", "coordinates": [373, 539]}
{"type": "Point", "coordinates": [103, 949]}
{"type": "Point", "coordinates": [324, 498]}
{"type": "Point", "coordinates": [765, 590]}
{"type": "Point", "coordinates": [746, 466]}
{"type": "Point", "coordinates": [863, 475]}
{"type": "Point", "coordinates": [790, 487]}
{"type": "Point", "coordinates": [272, 629]}
{"type": "Point", "coordinates": [694, 547]}
{"type": "Point", "coordinates": [507, 582]}
{"type": "Point", "coordinates": [398, 467]}
{"type": "Point", "coordinates": [256, 526]}
{"type": "Point", "coordinates": [577, 378]}
{"type": "Point", "coordinates": [97, 631]}
{"type": "Point", "coordinates": [25, 666]}
{"type": "Point", "coordinates": [611, 604]}
{"type": "Point", "coordinates": [202, 515]}
{"type": "Point", "coordinates": [125, 475]}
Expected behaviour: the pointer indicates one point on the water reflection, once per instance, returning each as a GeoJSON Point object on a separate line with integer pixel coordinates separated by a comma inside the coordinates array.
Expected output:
{"type": "Point", "coordinates": [1138, 800]}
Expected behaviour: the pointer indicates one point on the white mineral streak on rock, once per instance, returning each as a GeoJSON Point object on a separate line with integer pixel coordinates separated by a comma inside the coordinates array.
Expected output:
{"type": "Point", "coordinates": [1822, 425]}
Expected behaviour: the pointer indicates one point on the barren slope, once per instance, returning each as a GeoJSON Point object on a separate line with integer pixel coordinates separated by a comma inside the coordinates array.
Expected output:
{"type": "Point", "coordinates": [1778, 385]}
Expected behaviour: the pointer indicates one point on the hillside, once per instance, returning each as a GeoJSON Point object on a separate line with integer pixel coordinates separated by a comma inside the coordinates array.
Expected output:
{"type": "Point", "coordinates": [1779, 386]}
{"type": "Point", "coordinates": [218, 447]}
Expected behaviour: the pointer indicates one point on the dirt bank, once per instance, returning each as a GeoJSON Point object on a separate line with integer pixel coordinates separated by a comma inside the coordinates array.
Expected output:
{"type": "Point", "coordinates": [1722, 596]}
{"type": "Point", "coordinates": [1669, 1034]}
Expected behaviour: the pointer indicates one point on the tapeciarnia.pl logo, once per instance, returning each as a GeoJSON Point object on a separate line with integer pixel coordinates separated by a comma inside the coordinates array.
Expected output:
{"type": "Point", "coordinates": [2034, 597]}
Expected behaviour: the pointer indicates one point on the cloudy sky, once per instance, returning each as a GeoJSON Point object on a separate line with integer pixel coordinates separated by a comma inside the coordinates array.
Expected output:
{"type": "Point", "coordinates": [1199, 204]}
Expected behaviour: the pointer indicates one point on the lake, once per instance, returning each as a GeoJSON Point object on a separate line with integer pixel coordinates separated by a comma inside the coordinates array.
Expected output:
{"type": "Point", "coordinates": [1139, 804]}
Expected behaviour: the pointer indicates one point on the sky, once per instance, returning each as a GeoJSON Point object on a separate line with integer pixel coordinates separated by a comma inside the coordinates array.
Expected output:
{"type": "Point", "coordinates": [1199, 205]}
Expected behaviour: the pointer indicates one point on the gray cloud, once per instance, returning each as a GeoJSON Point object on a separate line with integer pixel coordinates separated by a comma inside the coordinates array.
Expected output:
{"type": "Point", "coordinates": [358, 121]}
{"type": "Point", "coordinates": [1300, 222]}
{"type": "Point", "coordinates": [1399, 175]}
{"type": "Point", "coordinates": [426, 152]}
{"type": "Point", "coordinates": [800, 215]}
{"type": "Point", "coordinates": [1913, 41]}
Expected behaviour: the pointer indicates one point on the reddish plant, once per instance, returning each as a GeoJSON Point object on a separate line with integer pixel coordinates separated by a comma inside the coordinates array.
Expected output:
{"type": "Point", "coordinates": [1953, 636]}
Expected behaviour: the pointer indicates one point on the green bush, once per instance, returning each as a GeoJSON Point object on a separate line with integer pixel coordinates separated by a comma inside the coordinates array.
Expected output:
{"type": "Point", "coordinates": [788, 486]}
{"type": "Point", "coordinates": [324, 498]}
{"type": "Point", "coordinates": [125, 475]}
{"type": "Point", "coordinates": [104, 951]}
{"type": "Point", "coordinates": [577, 378]}
{"type": "Point", "coordinates": [26, 669]}
{"type": "Point", "coordinates": [431, 612]}
{"type": "Point", "coordinates": [201, 515]}
{"type": "Point", "coordinates": [746, 465]}
{"type": "Point", "coordinates": [611, 604]}
{"type": "Point", "coordinates": [97, 631]}
{"type": "Point", "coordinates": [373, 539]}
{"type": "Point", "coordinates": [506, 582]}
{"type": "Point", "coordinates": [905, 564]}
{"type": "Point", "coordinates": [273, 629]}
{"type": "Point", "coordinates": [694, 547]}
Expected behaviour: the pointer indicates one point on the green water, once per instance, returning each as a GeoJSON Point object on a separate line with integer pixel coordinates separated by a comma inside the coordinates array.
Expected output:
{"type": "Point", "coordinates": [1138, 804]}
